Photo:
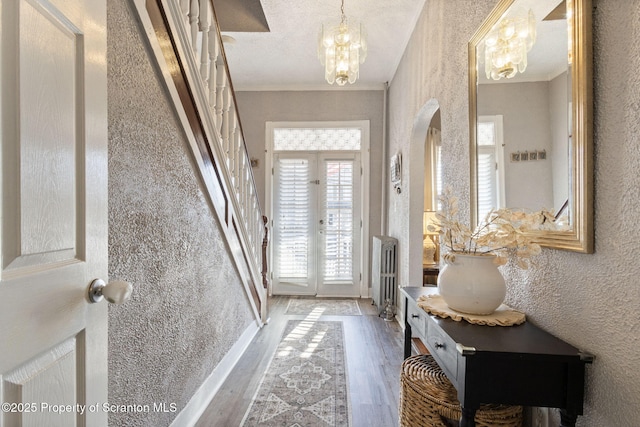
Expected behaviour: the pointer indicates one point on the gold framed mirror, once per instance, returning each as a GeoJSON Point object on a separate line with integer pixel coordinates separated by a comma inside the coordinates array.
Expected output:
{"type": "Point", "coordinates": [531, 115]}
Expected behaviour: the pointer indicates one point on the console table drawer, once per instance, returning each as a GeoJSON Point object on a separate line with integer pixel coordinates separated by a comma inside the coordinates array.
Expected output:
{"type": "Point", "coordinates": [443, 348]}
{"type": "Point", "coordinates": [417, 318]}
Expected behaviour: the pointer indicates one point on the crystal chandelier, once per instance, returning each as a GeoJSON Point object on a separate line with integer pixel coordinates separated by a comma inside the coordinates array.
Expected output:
{"type": "Point", "coordinates": [507, 44]}
{"type": "Point", "coordinates": [341, 49]}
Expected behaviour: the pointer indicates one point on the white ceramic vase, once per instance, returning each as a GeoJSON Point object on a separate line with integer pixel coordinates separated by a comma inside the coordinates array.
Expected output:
{"type": "Point", "coordinates": [472, 284]}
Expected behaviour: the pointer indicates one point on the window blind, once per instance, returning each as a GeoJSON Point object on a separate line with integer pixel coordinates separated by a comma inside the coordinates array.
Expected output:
{"type": "Point", "coordinates": [338, 232]}
{"type": "Point", "coordinates": [487, 169]}
{"type": "Point", "coordinates": [293, 222]}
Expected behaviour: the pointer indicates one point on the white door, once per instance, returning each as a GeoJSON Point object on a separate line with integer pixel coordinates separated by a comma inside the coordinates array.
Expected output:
{"type": "Point", "coordinates": [54, 212]}
{"type": "Point", "coordinates": [317, 224]}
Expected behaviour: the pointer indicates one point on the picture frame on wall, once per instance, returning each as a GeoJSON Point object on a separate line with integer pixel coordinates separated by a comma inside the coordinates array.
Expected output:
{"type": "Point", "coordinates": [396, 172]}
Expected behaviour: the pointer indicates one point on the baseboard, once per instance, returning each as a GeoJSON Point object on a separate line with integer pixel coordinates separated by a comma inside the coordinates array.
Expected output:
{"type": "Point", "coordinates": [207, 391]}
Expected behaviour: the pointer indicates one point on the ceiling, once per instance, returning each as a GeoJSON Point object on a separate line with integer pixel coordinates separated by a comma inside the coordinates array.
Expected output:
{"type": "Point", "coordinates": [548, 56]}
{"type": "Point", "coordinates": [275, 45]}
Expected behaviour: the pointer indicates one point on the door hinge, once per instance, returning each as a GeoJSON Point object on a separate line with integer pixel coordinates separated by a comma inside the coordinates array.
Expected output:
{"type": "Point", "coordinates": [271, 171]}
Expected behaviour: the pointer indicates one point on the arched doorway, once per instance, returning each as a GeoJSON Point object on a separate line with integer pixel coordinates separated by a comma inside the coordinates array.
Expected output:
{"type": "Point", "coordinates": [424, 181]}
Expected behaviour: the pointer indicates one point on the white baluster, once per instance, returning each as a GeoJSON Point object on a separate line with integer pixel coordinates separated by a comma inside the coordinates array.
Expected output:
{"type": "Point", "coordinates": [205, 27]}
{"type": "Point", "coordinates": [214, 51]}
{"type": "Point", "coordinates": [222, 83]}
{"type": "Point", "coordinates": [184, 7]}
{"type": "Point", "coordinates": [254, 224]}
{"type": "Point", "coordinates": [239, 188]}
{"type": "Point", "coordinates": [259, 235]}
{"type": "Point", "coordinates": [239, 147]}
{"type": "Point", "coordinates": [245, 187]}
{"type": "Point", "coordinates": [257, 226]}
{"type": "Point", "coordinates": [237, 157]}
{"type": "Point", "coordinates": [233, 130]}
{"type": "Point", "coordinates": [249, 204]}
{"type": "Point", "coordinates": [231, 113]}
{"type": "Point", "coordinates": [248, 188]}
{"type": "Point", "coordinates": [194, 10]}
{"type": "Point", "coordinates": [238, 185]}
{"type": "Point", "coordinates": [231, 153]}
{"type": "Point", "coordinates": [226, 117]}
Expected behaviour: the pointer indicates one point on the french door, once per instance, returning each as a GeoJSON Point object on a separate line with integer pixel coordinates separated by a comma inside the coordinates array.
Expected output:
{"type": "Point", "coordinates": [316, 223]}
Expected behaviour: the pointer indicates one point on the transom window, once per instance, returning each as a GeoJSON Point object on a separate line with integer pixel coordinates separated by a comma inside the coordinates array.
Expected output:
{"type": "Point", "coordinates": [318, 139]}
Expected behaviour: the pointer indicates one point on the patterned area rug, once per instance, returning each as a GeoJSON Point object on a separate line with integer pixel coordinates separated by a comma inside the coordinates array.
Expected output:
{"type": "Point", "coordinates": [305, 385]}
{"type": "Point", "coordinates": [319, 307]}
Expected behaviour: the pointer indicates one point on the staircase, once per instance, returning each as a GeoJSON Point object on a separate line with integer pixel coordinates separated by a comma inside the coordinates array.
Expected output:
{"type": "Point", "coordinates": [185, 39]}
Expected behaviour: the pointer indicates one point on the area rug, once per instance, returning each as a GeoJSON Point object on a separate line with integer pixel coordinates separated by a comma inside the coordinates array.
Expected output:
{"type": "Point", "coordinates": [319, 307]}
{"type": "Point", "coordinates": [305, 384]}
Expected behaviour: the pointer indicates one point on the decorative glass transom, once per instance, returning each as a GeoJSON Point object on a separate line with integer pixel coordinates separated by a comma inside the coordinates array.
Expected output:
{"type": "Point", "coordinates": [486, 133]}
{"type": "Point", "coordinates": [318, 139]}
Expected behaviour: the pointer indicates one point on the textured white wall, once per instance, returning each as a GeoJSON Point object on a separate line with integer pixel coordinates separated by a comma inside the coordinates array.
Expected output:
{"type": "Point", "coordinates": [590, 301]}
{"type": "Point", "coordinates": [188, 305]}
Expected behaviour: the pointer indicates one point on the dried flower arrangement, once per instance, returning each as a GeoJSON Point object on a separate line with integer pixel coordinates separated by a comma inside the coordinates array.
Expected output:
{"type": "Point", "coordinates": [504, 233]}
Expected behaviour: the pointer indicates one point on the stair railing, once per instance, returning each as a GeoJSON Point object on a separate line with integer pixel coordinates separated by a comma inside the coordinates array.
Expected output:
{"type": "Point", "coordinates": [186, 40]}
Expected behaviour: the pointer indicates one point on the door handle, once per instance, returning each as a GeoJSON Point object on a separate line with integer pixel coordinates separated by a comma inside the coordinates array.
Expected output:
{"type": "Point", "coordinates": [115, 292]}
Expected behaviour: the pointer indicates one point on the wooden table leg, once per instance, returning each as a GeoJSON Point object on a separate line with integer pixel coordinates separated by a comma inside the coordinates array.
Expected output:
{"type": "Point", "coordinates": [407, 331]}
{"type": "Point", "coordinates": [567, 419]}
{"type": "Point", "coordinates": [468, 417]}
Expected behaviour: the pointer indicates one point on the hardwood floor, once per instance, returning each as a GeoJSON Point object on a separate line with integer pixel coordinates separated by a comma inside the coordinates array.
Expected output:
{"type": "Point", "coordinates": [374, 356]}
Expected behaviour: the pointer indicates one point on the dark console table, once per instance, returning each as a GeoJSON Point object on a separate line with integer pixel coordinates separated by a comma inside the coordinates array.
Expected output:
{"type": "Point", "coordinates": [514, 365]}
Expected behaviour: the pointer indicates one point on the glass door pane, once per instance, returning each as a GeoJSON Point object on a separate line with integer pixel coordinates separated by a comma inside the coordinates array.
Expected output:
{"type": "Point", "coordinates": [294, 224]}
{"type": "Point", "coordinates": [339, 223]}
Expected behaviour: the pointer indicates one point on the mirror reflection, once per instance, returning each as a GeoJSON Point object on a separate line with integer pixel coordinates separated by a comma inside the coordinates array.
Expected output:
{"type": "Point", "coordinates": [524, 93]}
{"type": "Point", "coordinates": [531, 115]}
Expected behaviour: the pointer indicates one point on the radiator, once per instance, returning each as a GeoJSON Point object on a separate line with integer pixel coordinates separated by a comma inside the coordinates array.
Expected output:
{"type": "Point", "coordinates": [384, 271]}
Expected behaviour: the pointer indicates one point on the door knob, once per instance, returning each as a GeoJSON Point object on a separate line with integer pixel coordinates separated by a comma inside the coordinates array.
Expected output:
{"type": "Point", "coordinates": [115, 292]}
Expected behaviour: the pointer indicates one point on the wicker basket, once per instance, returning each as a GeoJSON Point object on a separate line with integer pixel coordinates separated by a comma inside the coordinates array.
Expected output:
{"type": "Point", "coordinates": [427, 398]}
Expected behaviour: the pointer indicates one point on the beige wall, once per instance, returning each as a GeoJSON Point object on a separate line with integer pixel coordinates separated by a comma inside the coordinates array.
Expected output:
{"type": "Point", "coordinates": [257, 108]}
{"type": "Point", "coordinates": [188, 306]}
{"type": "Point", "coordinates": [527, 127]}
{"type": "Point", "coordinates": [590, 301]}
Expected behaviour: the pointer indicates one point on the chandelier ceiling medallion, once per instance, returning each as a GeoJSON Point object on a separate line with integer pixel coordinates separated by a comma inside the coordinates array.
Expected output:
{"type": "Point", "coordinates": [507, 44]}
{"type": "Point", "coordinates": [341, 49]}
